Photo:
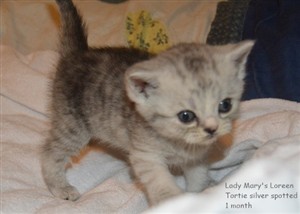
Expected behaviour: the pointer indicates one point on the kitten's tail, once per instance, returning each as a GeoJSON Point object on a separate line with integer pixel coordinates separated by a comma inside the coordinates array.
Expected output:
{"type": "Point", "coordinates": [73, 35]}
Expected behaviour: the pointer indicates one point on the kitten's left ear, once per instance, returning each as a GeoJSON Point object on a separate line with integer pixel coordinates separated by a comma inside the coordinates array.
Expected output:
{"type": "Point", "coordinates": [239, 53]}
{"type": "Point", "coordinates": [141, 82]}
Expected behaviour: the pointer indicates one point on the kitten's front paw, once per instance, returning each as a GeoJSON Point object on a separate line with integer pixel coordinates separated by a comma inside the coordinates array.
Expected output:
{"type": "Point", "coordinates": [163, 195]}
{"type": "Point", "coordinates": [66, 193]}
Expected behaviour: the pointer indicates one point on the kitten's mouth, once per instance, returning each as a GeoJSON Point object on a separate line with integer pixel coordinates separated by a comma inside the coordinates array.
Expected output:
{"type": "Point", "coordinates": [210, 140]}
{"type": "Point", "coordinates": [206, 141]}
{"type": "Point", "coordinates": [211, 136]}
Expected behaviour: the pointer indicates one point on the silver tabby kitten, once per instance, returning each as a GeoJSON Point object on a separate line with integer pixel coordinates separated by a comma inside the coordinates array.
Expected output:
{"type": "Point", "coordinates": [163, 111]}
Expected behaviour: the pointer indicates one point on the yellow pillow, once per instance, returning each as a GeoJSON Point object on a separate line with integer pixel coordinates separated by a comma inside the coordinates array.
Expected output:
{"type": "Point", "coordinates": [145, 33]}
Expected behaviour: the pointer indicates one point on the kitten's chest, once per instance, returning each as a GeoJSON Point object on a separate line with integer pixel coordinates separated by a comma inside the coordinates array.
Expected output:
{"type": "Point", "coordinates": [179, 156]}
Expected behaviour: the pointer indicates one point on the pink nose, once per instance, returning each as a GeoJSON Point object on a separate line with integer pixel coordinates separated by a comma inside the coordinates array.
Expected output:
{"type": "Point", "coordinates": [210, 125]}
{"type": "Point", "coordinates": [210, 131]}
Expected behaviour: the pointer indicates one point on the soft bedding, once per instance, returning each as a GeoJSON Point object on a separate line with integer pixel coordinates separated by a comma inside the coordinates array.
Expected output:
{"type": "Point", "coordinates": [263, 157]}
{"type": "Point", "coordinates": [266, 138]}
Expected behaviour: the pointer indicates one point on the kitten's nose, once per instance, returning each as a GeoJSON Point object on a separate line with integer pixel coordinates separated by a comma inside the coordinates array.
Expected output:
{"type": "Point", "coordinates": [210, 131]}
{"type": "Point", "coordinates": [210, 125]}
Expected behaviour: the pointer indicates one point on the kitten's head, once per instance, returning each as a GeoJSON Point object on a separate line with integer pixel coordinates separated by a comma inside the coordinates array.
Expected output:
{"type": "Point", "coordinates": [191, 92]}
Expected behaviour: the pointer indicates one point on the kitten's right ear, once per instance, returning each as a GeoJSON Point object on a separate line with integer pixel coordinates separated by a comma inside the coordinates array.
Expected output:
{"type": "Point", "coordinates": [238, 54]}
{"type": "Point", "coordinates": [140, 83]}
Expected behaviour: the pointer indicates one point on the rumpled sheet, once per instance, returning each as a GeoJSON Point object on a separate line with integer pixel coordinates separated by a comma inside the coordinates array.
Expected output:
{"type": "Point", "coordinates": [265, 148]}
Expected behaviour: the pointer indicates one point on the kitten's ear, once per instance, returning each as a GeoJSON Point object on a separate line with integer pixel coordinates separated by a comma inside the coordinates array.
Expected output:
{"type": "Point", "coordinates": [239, 53]}
{"type": "Point", "coordinates": [140, 83]}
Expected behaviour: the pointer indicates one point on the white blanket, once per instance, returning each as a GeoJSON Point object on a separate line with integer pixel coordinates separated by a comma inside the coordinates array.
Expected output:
{"type": "Point", "coordinates": [267, 128]}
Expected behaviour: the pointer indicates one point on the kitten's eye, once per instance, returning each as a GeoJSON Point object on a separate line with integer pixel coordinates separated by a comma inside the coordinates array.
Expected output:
{"type": "Point", "coordinates": [225, 106]}
{"type": "Point", "coordinates": [186, 116]}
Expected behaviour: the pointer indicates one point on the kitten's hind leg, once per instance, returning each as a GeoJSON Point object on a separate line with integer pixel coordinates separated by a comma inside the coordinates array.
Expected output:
{"type": "Point", "coordinates": [55, 155]}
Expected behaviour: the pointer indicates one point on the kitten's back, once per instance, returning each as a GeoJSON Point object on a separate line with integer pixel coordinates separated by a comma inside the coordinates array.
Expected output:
{"type": "Point", "coordinates": [89, 79]}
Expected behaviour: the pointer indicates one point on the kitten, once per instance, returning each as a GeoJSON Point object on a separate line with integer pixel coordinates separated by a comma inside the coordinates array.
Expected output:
{"type": "Point", "coordinates": [163, 111]}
